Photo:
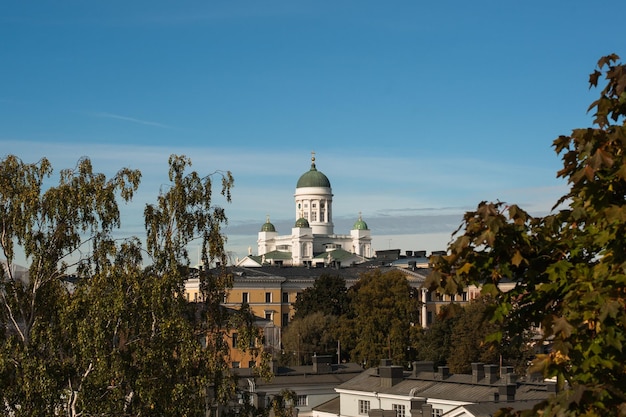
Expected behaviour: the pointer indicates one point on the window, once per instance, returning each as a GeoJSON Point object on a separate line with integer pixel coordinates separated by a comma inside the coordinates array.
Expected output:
{"type": "Point", "coordinates": [285, 319]}
{"type": "Point", "coordinates": [364, 407]}
{"type": "Point", "coordinates": [314, 216]}
{"type": "Point", "coordinates": [244, 297]}
{"type": "Point", "coordinates": [399, 409]}
{"type": "Point", "coordinates": [437, 412]}
{"type": "Point", "coordinates": [302, 400]}
{"type": "Point", "coordinates": [235, 365]}
{"type": "Point", "coordinates": [268, 315]}
{"type": "Point", "coordinates": [322, 216]}
{"type": "Point", "coordinates": [251, 364]}
{"type": "Point", "coordinates": [235, 340]}
{"type": "Point", "coordinates": [313, 205]}
{"type": "Point", "coordinates": [268, 297]}
{"type": "Point", "coordinates": [285, 297]}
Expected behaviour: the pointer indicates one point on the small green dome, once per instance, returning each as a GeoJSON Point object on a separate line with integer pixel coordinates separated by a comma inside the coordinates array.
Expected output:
{"type": "Point", "coordinates": [360, 224]}
{"type": "Point", "coordinates": [313, 178]}
{"type": "Point", "coordinates": [267, 226]}
{"type": "Point", "coordinates": [302, 222]}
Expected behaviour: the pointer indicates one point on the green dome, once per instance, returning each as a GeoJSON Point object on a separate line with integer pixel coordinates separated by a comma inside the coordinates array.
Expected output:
{"type": "Point", "coordinates": [313, 178]}
{"type": "Point", "coordinates": [302, 222]}
{"type": "Point", "coordinates": [267, 226]}
{"type": "Point", "coordinates": [360, 225]}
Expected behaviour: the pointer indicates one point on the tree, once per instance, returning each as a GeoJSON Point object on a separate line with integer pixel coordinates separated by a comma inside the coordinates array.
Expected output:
{"type": "Point", "coordinates": [385, 309]}
{"type": "Point", "coordinates": [125, 341]}
{"type": "Point", "coordinates": [328, 295]}
{"type": "Point", "coordinates": [309, 335]}
{"type": "Point", "coordinates": [569, 266]}
{"type": "Point", "coordinates": [51, 227]}
{"type": "Point", "coordinates": [434, 343]}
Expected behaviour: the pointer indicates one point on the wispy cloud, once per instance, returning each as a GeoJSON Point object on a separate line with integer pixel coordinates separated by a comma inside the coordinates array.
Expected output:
{"type": "Point", "coordinates": [129, 119]}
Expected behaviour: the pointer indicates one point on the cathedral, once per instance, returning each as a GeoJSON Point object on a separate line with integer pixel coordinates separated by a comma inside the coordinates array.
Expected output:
{"type": "Point", "coordinates": [312, 241]}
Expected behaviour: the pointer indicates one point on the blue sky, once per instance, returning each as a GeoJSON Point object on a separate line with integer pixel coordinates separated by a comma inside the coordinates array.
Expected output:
{"type": "Point", "coordinates": [416, 110]}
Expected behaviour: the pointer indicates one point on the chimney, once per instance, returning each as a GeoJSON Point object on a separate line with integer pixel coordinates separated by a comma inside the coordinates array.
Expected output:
{"type": "Point", "coordinates": [322, 364]}
{"type": "Point", "coordinates": [416, 407]}
{"type": "Point", "coordinates": [427, 410]}
{"type": "Point", "coordinates": [423, 366]}
{"type": "Point", "coordinates": [390, 375]}
{"type": "Point", "coordinates": [509, 378]}
{"type": "Point", "coordinates": [409, 253]}
{"type": "Point", "coordinates": [491, 373]}
{"type": "Point", "coordinates": [478, 372]}
{"type": "Point", "coordinates": [385, 362]}
{"type": "Point", "coordinates": [506, 370]}
{"type": "Point", "coordinates": [507, 392]}
{"type": "Point", "coordinates": [443, 372]}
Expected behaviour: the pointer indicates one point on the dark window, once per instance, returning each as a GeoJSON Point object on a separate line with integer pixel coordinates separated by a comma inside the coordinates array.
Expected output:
{"type": "Point", "coordinates": [285, 297]}
{"type": "Point", "coordinates": [235, 337]}
{"type": "Point", "coordinates": [285, 319]}
{"type": "Point", "coordinates": [244, 297]}
{"type": "Point", "coordinates": [268, 297]}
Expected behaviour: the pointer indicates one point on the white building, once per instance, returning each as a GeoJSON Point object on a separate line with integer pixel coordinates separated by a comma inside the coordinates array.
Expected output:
{"type": "Point", "coordinates": [389, 391]}
{"type": "Point", "coordinates": [312, 240]}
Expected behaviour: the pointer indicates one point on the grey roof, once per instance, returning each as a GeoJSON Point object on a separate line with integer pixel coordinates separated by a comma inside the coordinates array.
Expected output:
{"type": "Point", "coordinates": [293, 377]}
{"type": "Point", "coordinates": [330, 406]}
{"type": "Point", "coordinates": [489, 409]}
{"type": "Point", "coordinates": [456, 387]}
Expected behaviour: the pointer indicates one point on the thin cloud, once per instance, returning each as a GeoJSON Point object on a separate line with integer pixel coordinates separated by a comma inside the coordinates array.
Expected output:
{"type": "Point", "coordinates": [130, 119]}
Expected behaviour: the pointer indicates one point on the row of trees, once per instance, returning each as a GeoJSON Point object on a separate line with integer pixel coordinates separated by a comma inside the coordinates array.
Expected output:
{"type": "Point", "coordinates": [117, 339]}
{"type": "Point", "coordinates": [379, 318]}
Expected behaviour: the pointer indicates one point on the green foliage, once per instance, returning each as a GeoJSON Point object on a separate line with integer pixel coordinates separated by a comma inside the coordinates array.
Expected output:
{"type": "Point", "coordinates": [434, 344]}
{"type": "Point", "coordinates": [385, 310]}
{"type": "Point", "coordinates": [328, 296]}
{"type": "Point", "coordinates": [123, 341]}
{"type": "Point", "coordinates": [309, 335]}
{"type": "Point", "coordinates": [569, 267]}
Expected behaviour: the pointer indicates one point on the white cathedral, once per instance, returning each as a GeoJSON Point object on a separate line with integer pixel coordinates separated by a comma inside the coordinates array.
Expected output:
{"type": "Point", "coordinates": [312, 241]}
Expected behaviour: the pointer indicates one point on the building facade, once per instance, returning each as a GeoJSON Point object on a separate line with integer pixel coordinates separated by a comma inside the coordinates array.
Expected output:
{"type": "Point", "coordinates": [390, 391]}
{"type": "Point", "coordinates": [312, 240]}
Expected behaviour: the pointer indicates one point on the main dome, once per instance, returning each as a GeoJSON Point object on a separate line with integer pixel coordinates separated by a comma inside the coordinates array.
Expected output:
{"type": "Point", "coordinates": [313, 178]}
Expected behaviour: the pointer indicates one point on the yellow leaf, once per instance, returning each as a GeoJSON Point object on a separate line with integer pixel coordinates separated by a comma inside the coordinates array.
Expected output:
{"type": "Point", "coordinates": [517, 258]}
{"type": "Point", "coordinates": [465, 269]}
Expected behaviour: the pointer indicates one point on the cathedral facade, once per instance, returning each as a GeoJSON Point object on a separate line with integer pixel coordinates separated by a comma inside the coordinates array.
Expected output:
{"type": "Point", "coordinates": [313, 241]}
